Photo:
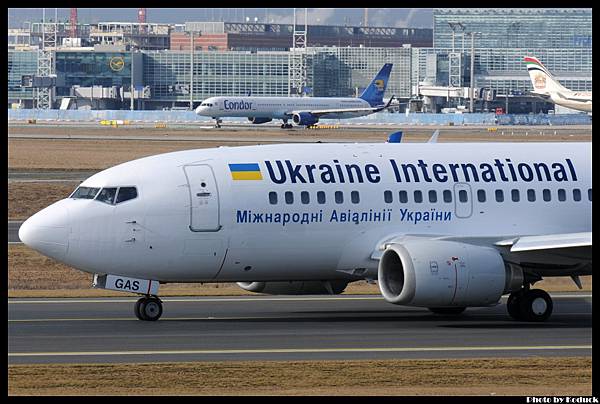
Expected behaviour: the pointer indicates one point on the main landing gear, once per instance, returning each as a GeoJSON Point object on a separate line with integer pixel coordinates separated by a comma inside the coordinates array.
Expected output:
{"type": "Point", "coordinates": [286, 125]}
{"type": "Point", "coordinates": [148, 308]}
{"type": "Point", "coordinates": [529, 305]}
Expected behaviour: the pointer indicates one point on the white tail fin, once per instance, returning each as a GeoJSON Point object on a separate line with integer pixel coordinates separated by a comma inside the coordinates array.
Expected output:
{"type": "Point", "coordinates": [542, 80]}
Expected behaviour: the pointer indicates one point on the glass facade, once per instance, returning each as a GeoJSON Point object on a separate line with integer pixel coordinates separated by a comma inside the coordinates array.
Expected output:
{"type": "Point", "coordinates": [503, 69]}
{"type": "Point", "coordinates": [343, 72]}
{"type": "Point", "coordinates": [215, 73]}
{"type": "Point", "coordinates": [86, 69]}
{"type": "Point", "coordinates": [514, 28]}
{"type": "Point", "coordinates": [560, 38]}
{"type": "Point", "coordinates": [20, 63]}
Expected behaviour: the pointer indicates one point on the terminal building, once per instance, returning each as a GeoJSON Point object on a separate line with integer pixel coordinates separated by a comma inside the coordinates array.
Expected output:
{"type": "Point", "coordinates": [431, 66]}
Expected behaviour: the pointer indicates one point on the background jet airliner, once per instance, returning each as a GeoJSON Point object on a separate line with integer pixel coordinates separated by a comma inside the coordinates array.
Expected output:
{"type": "Point", "coordinates": [442, 226]}
{"type": "Point", "coordinates": [304, 111]}
{"type": "Point", "coordinates": [547, 87]}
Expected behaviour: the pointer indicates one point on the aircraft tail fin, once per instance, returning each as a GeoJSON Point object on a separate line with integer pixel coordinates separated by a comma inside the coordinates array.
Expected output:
{"type": "Point", "coordinates": [373, 94]}
{"type": "Point", "coordinates": [543, 82]}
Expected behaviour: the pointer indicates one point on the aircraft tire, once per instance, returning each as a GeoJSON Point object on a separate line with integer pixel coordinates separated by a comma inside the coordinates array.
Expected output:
{"type": "Point", "coordinates": [148, 308]}
{"type": "Point", "coordinates": [448, 311]}
{"type": "Point", "coordinates": [136, 309]}
{"type": "Point", "coordinates": [536, 305]}
{"type": "Point", "coordinates": [513, 305]}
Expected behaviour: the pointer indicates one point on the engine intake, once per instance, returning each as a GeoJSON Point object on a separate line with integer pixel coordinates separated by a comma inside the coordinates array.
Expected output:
{"type": "Point", "coordinates": [334, 287]}
{"type": "Point", "coordinates": [439, 273]}
{"type": "Point", "coordinates": [304, 118]}
{"type": "Point", "coordinates": [258, 121]}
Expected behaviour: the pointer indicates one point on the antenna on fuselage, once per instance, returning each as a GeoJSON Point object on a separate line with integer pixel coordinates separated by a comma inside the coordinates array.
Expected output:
{"type": "Point", "coordinates": [434, 137]}
{"type": "Point", "coordinates": [395, 137]}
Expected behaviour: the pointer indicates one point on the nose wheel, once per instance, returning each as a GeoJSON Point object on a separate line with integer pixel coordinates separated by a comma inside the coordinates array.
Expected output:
{"type": "Point", "coordinates": [530, 305]}
{"type": "Point", "coordinates": [148, 308]}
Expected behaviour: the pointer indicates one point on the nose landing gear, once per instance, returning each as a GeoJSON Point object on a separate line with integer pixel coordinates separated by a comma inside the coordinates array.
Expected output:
{"type": "Point", "coordinates": [148, 308]}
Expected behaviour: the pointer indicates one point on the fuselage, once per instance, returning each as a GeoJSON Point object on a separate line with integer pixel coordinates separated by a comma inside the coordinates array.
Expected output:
{"type": "Point", "coordinates": [278, 107]}
{"type": "Point", "coordinates": [311, 211]}
{"type": "Point", "coordinates": [574, 100]}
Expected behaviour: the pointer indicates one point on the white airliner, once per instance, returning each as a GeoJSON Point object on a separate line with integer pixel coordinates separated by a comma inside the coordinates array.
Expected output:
{"type": "Point", "coordinates": [442, 226]}
{"type": "Point", "coordinates": [303, 111]}
{"type": "Point", "coordinates": [547, 87]}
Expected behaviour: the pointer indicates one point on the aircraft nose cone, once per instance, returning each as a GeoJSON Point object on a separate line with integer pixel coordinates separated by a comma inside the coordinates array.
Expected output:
{"type": "Point", "coordinates": [199, 109]}
{"type": "Point", "coordinates": [48, 231]}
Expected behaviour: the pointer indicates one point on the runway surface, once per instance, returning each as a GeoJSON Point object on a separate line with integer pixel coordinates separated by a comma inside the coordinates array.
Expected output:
{"type": "Point", "coordinates": [13, 231]}
{"type": "Point", "coordinates": [284, 328]}
{"type": "Point", "coordinates": [41, 175]}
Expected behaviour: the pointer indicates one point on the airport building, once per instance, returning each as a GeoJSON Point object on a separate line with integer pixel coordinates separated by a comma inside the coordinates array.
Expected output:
{"type": "Point", "coordinates": [432, 66]}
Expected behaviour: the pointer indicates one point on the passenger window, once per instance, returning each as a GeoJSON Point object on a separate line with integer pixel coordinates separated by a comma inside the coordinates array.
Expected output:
{"type": "Point", "coordinates": [403, 196]}
{"type": "Point", "coordinates": [107, 195]}
{"type": "Point", "coordinates": [85, 193]}
{"type": "Point", "coordinates": [562, 195]}
{"type": "Point", "coordinates": [387, 196]}
{"type": "Point", "coordinates": [514, 194]}
{"type": "Point", "coordinates": [462, 195]}
{"type": "Point", "coordinates": [481, 195]}
{"type": "Point", "coordinates": [289, 197]}
{"type": "Point", "coordinates": [418, 196]}
{"type": "Point", "coordinates": [432, 196]}
{"type": "Point", "coordinates": [304, 197]}
{"type": "Point", "coordinates": [273, 198]}
{"type": "Point", "coordinates": [576, 195]}
{"type": "Point", "coordinates": [354, 197]}
{"type": "Point", "coordinates": [499, 195]}
{"type": "Point", "coordinates": [447, 196]}
{"type": "Point", "coordinates": [126, 193]}
{"type": "Point", "coordinates": [590, 194]}
{"type": "Point", "coordinates": [546, 195]}
{"type": "Point", "coordinates": [320, 197]}
{"type": "Point", "coordinates": [339, 197]}
{"type": "Point", "coordinates": [531, 195]}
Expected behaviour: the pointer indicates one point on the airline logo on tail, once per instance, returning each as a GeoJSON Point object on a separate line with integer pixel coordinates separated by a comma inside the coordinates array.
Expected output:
{"type": "Point", "coordinates": [539, 82]}
{"type": "Point", "coordinates": [541, 78]}
{"type": "Point", "coordinates": [373, 94]}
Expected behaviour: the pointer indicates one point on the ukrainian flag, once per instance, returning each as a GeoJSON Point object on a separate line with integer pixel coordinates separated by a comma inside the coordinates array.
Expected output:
{"type": "Point", "coordinates": [249, 171]}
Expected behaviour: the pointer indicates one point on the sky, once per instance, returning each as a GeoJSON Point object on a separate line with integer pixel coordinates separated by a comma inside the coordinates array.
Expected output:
{"type": "Point", "coordinates": [378, 17]}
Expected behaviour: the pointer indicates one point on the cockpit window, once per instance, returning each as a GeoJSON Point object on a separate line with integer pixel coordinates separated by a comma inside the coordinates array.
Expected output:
{"type": "Point", "coordinates": [107, 195]}
{"type": "Point", "coordinates": [84, 193]}
{"type": "Point", "coordinates": [126, 193]}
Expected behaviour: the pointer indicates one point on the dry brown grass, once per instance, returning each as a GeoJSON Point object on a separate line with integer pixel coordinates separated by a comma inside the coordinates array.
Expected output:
{"type": "Point", "coordinates": [101, 154]}
{"type": "Point", "coordinates": [507, 376]}
{"type": "Point", "coordinates": [30, 274]}
{"type": "Point", "coordinates": [89, 154]}
{"type": "Point", "coordinates": [27, 198]}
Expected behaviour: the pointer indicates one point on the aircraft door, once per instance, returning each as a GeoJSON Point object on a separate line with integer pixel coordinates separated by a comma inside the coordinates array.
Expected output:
{"type": "Point", "coordinates": [204, 198]}
{"type": "Point", "coordinates": [463, 200]}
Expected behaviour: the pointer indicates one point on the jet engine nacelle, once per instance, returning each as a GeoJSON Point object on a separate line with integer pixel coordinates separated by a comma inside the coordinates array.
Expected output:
{"type": "Point", "coordinates": [304, 118]}
{"type": "Point", "coordinates": [439, 273]}
{"type": "Point", "coordinates": [257, 121]}
{"type": "Point", "coordinates": [296, 287]}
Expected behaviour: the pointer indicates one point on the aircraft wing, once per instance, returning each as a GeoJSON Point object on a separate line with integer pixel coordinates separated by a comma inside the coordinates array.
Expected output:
{"type": "Point", "coordinates": [548, 242]}
{"type": "Point", "coordinates": [321, 112]}
{"type": "Point", "coordinates": [576, 98]}
{"type": "Point", "coordinates": [539, 95]}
